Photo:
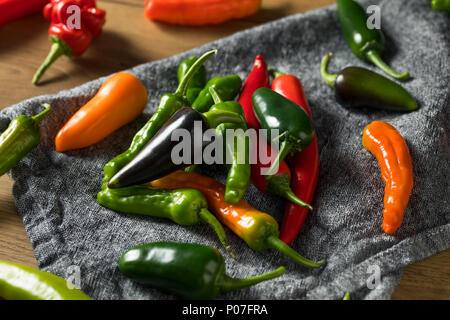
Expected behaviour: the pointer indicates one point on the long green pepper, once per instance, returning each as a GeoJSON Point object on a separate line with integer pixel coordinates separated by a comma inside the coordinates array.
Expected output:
{"type": "Point", "coordinates": [238, 179]}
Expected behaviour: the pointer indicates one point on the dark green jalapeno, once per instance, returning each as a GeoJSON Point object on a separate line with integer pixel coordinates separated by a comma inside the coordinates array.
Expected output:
{"type": "Point", "coordinates": [358, 87]}
{"type": "Point", "coordinates": [188, 270]}
{"type": "Point", "coordinates": [198, 81]}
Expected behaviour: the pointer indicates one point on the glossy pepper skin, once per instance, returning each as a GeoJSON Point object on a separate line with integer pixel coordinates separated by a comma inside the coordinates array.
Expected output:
{"type": "Point", "coordinates": [258, 229]}
{"type": "Point", "coordinates": [168, 105]}
{"type": "Point", "coordinates": [367, 44]}
{"type": "Point", "coordinates": [155, 159]}
{"type": "Point", "coordinates": [12, 10]}
{"type": "Point", "coordinates": [304, 165]}
{"type": "Point", "coordinates": [391, 151]}
{"type": "Point", "coordinates": [238, 179]}
{"type": "Point", "coordinates": [18, 282]}
{"type": "Point", "coordinates": [22, 135]}
{"type": "Point", "coordinates": [441, 5]}
{"type": "Point", "coordinates": [227, 88]}
{"type": "Point", "coordinates": [275, 112]}
{"type": "Point", "coordinates": [189, 270]}
{"type": "Point", "coordinates": [198, 80]}
{"type": "Point", "coordinates": [199, 12]}
{"type": "Point", "coordinates": [356, 87]}
{"type": "Point", "coordinates": [66, 39]}
{"type": "Point", "coordinates": [120, 100]}
{"type": "Point", "coordinates": [185, 207]}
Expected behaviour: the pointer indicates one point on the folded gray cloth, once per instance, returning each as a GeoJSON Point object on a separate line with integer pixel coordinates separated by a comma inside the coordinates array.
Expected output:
{"type": "Point", "coordinates": [55, 192]}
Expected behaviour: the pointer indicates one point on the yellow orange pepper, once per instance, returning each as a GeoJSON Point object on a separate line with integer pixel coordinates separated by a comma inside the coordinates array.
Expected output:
{"type": "Point", "coordinates": [392, 153]}
{"type": "Point", "coordinates": [120, 100]}
{"type": "Point", "coordinates": [199, 12]}
{"type": "Point", "coordinates": [258, 229]}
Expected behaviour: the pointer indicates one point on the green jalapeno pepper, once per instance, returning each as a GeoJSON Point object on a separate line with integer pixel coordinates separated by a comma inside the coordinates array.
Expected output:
{"type": "Point", "coordinates": [168, 105]}
{"type": "Point", "coordinates": [238, 179]}
{"type": "Point", "coordinates": [191, 271]}
{"type": "Point", "coordinates": [367, 44]}
{"type": "Point", "coordinates": [441, 5]}
{"type": "Point", "coordinates": [22, 135]}
{"type": "Point", "coordinates": [275, 112]}
{"type": "Point", "coordinates": [227, 88]}
{"type": "Point", "coordinates": [359, 87]}
{"type": "Point", "coordinates": [198, 80]}
{"type": "Point", "coordinates": [185, 207]}
{"type": "Point", "coordinates": [18, 282]}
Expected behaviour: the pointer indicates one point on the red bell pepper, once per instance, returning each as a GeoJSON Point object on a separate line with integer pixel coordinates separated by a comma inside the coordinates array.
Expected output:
{"type": "Point", "coordinates": [278, 184]}
{"type": "Point", "coordinates": [67, 39]}
{"type": "Point", "coordinates": [12, 10]}
{"type": "Point", "coordinates": [305, 165]}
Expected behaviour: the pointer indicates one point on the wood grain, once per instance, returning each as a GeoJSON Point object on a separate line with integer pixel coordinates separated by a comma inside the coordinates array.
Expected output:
{"type": "Point", "coordinates": [130, 39]}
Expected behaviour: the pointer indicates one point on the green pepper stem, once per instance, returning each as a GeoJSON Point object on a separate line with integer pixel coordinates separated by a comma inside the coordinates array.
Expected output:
{"type": "Point", "coordinates": [40, 116]}
{"type": "Point", "coordinates": [184, 83]}
{"type": "Point", "coordinates": [216, 117]}
{"type": "Point", "coordinates": [274, 72]}
{"type": "Point", "coordinates": [279, 245]}
{"type": "Point", "coordinates": [56, 51]}
{"type": "Point", "coordinates": [230, 284]}
{"type": "Point", "coordinates": [347, 296]}
{"type": "Point", "coordinates": [285, 148]}
{"type": "Point", "coordinates": [329, 79]}
{"type": "Point", "coordinates": [217, 99]}
{"type": "Point", "coordinates": [209, 218]}
{"type": "Point", "coordinates": [190, 168]}
{"type": "Point", "coordinates": [374, 57]}
{"type": "Point", "coordinates": [280, 185]}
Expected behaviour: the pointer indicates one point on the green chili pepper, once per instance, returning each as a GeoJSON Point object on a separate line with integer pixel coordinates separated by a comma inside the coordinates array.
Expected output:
{"type": "Point", "coordinates": [441, 5]}
{"type": "Point", "coordinates": [359, 87]}
{"type": "Point", "coordinates": [227, 88]}
{"type": "Point", "coordinates": [191, 271]}
{"type": "Point", "coordinates": [168, 105]}
{"type": "Point", "coordinates": [22, 135]}
{"type": "Point", "coordinates": [18, 282]}
{"type": "Point", "coordinates": [367, 44]}
{"type": "Point", "coordinates": [185, 207]}
{"type": "Point", "coordinates": [238, 179]}
{"type": "Point", "coordinates": [274, 111]}
{"type": "Point", "coordinates": [198, 81]}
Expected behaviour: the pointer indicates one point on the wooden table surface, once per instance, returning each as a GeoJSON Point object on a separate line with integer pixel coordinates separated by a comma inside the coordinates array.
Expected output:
{"type": "Point", "coordinates": [130, 39]}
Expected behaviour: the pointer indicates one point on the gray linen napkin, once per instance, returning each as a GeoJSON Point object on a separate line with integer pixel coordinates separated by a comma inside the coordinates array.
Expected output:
{"type": "Point", "coordinates": [55, 192]}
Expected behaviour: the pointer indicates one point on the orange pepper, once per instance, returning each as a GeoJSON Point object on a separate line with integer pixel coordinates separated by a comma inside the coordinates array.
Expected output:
{"type": "Point", "coordinates": [120, 100]}
{"type": "Point", "coordinates": [392, 153]}
{"type": "Point", "coordinates": [258, 229]}
{"type": "Point", "coordinates": [199, 12]}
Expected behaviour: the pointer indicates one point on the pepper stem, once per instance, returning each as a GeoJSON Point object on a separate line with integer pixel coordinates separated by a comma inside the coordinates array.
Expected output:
{"type": "Point", "coordinates": [279, 245]}
{"type": "Point", "coordinates": [58, 49]}
{"type": "Point", "coordinates": [274, 73]}
{"type": "Point", "coordinates": [184, 83]}
{"type": "Point", "coordinates": [280, 185]}
{"type": "Point", "coordinates": [347, 296]}
{"type": "Point", "coordinates": [209, 218]}
{"type": "Point", "coordinates": [329, 79]}
{"type": "Point", "coordinates": [374, 57]}
{"type": "Point", "coordinates": [286, 147]}
{"type": "Point", "coordinates": [40, 116]}
{"type": "Point", "coordinates": [217, 99]}
{"type": "Point", "coordinates": [216, 117]}
{"type": "Point", "coordinates": [230, 284]}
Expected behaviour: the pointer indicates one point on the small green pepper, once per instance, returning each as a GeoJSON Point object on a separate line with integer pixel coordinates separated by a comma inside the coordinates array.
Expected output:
{"type": "Point", "coordinates": [275, 112]}
{"type": "Point", "coordinates": [367, 44]}
{"type": "Point", "coordinates": [185, 207]}
{"type": "Point", "coordinates": [191, 271]}
{"type": "Point", "coordinates": [227, 88]}
{"type": "Point", "coordinates": [18, 282]}
{"type": "Point", "coordinates": [22, 135]}
{"type": "Point", "coordinates": [168, 105]}
{"type": "Point", "coordinates": [238, 179]}
{"type": "Point", "coordinates": [198, 81]}
{"type": "Point", "coordinates": [441, 5]}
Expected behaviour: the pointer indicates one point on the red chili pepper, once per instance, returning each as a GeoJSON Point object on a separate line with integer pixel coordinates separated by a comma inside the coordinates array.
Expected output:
{"type": "Point", "coordinates": [67, 38]}
{"type": "Point", "coordinates": [305, 165]}
{"type": "Point", "coordinates": [279, 183]}
{"type": "Point", "coordinates": [12, 10]}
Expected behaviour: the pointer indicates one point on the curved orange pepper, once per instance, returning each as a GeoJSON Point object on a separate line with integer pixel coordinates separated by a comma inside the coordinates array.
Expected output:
{"type": "Point", "coordinates": [120, 100]}
{"type": "Point", "coordinates": [199, 12]}
{"type": "Point", "coordinates": [392, 153]}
